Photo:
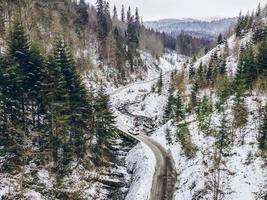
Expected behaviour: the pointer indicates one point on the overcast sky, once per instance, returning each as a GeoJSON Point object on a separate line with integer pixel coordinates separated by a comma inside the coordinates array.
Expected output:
{"type": "Point", "coordinates": [160, 9]}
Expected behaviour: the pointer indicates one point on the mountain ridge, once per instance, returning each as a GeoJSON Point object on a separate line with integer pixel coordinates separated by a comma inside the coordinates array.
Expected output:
{"type": "Point", "coordinates": [201, 28]}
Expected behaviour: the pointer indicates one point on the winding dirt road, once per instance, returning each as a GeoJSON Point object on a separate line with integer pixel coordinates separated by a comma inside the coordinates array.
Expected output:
{"type": "Point", "coordinates": [164, 176]}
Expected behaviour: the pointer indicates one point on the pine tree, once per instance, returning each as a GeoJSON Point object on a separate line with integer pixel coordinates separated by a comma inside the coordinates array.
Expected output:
{"type": "Point", "coordinates": [204, 109]}
{"type": "Point", "coordinates": [222, 66]}
{"type": "Point", "coordinates": [57, 106]}
{"type": "Point", "coordinates": [258, 12]}
{"type": "Point", "coordinates": [129, 15]}
{"type": "Point", "coordinates": [220, 39]}
{"type": "Point", "coordinates": [115, 13]}
{"type": "Point", "coordinates": [160, 83]}
{"type": "Point", "coordinates": [192, 71]}
{"type": "Point", "coordinates": [193, 96]}
{"type": "Point", "coordinates": [261, 60]}
{"type": "Point", "coordinates": [120, 51]}
{"type": "Point", "coordinates": [104, 26]}
{"type": "Point", "coordinates": [263, 131]}
{"type": "Point", "coordinates": [260, 34]}
{"type": "Point", "coordinates": [77, 100]}
{"type": "Point", "coordinates": [222, 144]}
{"type": "Point", "coordinates": [168, 136]}
{"type": "Point", "coordinates": [137, 21]}
{"type": "Point", "coordinates": [122, 13]}
{"type": "Point", "coordinates": [178, 108]}
{"type": "Point", "coordinates": [35, 78]}
{"type": "Point", "coordinates": [104, 123]}
{"type": "Point", "coordinates": [168, 109]}
{"type": "Point", "coordinates": [82, 18]}
{"type": "Point", "coordinates": [239, 25]}
{"type": "Point", "coordinates": [239, 109]}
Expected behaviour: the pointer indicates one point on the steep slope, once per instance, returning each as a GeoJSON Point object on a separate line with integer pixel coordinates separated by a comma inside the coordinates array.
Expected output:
{"type": "Point", "coordinates": [212, 136]}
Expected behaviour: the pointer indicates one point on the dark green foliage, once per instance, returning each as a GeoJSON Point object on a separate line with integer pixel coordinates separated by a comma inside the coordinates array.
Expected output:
{"type": "Point", "coordinates": [188, 45]}
{"type": "Point", "coordinates": [104, 26]}
{"type": "Point", "coordinates": [168, 136]}
{"type": "Point", "coordinates": [104, 119]}
{"type": "Point", "coordinates": [240, 110]}
{"type": "Point", "coordinates": [247, 66]}
{"type": "Point", "coordinates": [184, 137]}
{"type": "Point", "coordinates": [132, 39]}
{"type": "Point", "coordinates": [45, 95]}
{"type": "Point", "coordinates": [193, 96]}
{"type": "Point", "coordinates": [192, 71]}
{"type": "Point", "coordinates": [179, 111]}
{"type": "Point", "coordinates": [160, 83]}
{"type": "Point", "coordinates": [204, 109]}
{"type": "Point", "coordinates": [263, 131]}
{"type": "Point", "coordinates": [122, 14]}
{"type": "Point", "coordinates": [262, 60]}
{"type": "Point", "coordinates": [224, 89]}
{"type": "Point", "coordinates": [220, 39]}
{"type": "Point", "coordinates": [168, 109]}
{"type": "Point", "coordinates": [82, 18]}
{"type": "Point", "coordinates": [260, 33]}
{"type": "Point", "coordinates": [120, 51]}
{"type": "Point", "coordinates": [129, 15]}
{"type": "Point", "coordinates": [223, 139]}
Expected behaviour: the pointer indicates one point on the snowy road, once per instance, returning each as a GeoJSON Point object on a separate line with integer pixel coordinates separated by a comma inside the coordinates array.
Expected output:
{"type": "Point", "coordinates": [163, 171]}
{"type": "Point", "coordinates": [163, 180]}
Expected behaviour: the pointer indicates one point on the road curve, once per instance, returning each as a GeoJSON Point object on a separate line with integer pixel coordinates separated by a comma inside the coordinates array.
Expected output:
{"type": "Point", "coordinates": [165, 176]}
{"type": "Point", "coordinates": [158, 190]}
{"type": "Point", "coordinates": [164, 173]}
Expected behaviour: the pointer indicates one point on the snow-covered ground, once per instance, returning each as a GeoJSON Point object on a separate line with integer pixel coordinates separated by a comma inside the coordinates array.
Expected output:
{"type": "Point", "coordinates": [141, 161]}
{"type": "Point", "coordinates": [244, 174]}
{"type": "Point", "coordinates": [141, 102]}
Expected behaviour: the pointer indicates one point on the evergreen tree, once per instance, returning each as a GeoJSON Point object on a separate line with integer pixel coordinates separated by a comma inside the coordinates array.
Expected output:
{"type": "Point", "coordinates": [262, 60]}
{"type": "Point", "coordinates": [239, 109]}
{"type": "Point", "coordinates": [168, 109]}
{"type": "Point", "coordinates": [192, 71]}
{"type": "Point", "coordinates": [239, 25]}
{"type": "Point", "coordinates": [104, 122]}
{"type": "Point", "coordinates": [168, 136]}
{"type": "Point", "coordinates": [222, 144]}
{"type": "Point", "coordinates": [122, 13]}
{"type": "Point", "coordinates": [204, 109]}
{"type": "Point", "coordinates": [137, 21]}
{"type": "Point", "coordinates": [115, 13]}
{"type": "Point", "coordinates": [193, 96]}
{"type": "Point", "coordinates": [82, 18]}
{"type": "Point", "coordinates": [35, 98]}
{"type": "Point", "coordinates": [178, 108]}
{"type": "Point", "coordinates": [260, 34]}
{"type": "Point", "coordinates": [263, 131]}
{"type": "Point", "coordinates": [222, 66]}
{"type": "Point", "coordinates": [160, 83]}
{"type": "Point", "coordinates": [129, 15]}
{"type": "Point", "coordinates": [258, 12]}
{"type": "Point", "coordinates": [220, 39]}
{"type": "Point", "coordinates": [120, 51]}
{"type": "Point", "coordinates": [104, 26]}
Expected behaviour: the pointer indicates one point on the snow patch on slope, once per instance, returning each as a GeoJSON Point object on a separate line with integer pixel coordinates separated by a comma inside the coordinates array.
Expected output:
{"type": "Point", "coordinates": [141, 161]}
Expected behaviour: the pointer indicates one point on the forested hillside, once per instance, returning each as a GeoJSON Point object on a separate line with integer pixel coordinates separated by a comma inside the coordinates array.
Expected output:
{"type": "Point", "coordinates": [73, 74]}
{"type": "Point", "coordinates": [216, 117]}
{"type": "Point", "coordinates": [54, 130]}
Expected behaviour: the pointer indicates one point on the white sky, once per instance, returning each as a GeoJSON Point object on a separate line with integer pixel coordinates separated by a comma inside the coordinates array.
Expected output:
{"type": "Point", "coordinates": [161, 9]}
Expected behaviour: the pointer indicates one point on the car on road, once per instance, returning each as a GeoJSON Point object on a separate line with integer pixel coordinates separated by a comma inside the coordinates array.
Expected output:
{"type": "Point", "coordinates": [134, 131]}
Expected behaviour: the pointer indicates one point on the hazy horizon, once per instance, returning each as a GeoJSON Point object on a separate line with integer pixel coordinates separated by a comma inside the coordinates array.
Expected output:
{"type": "Point", "coordinates": [151, 10]}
